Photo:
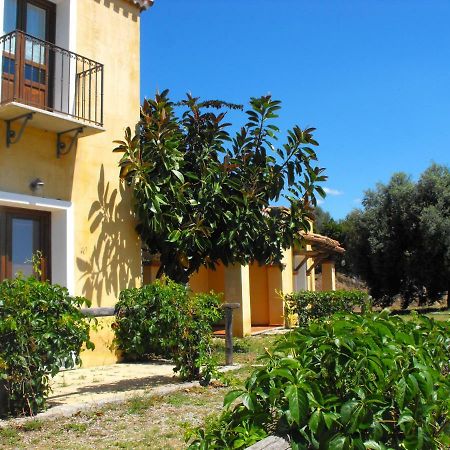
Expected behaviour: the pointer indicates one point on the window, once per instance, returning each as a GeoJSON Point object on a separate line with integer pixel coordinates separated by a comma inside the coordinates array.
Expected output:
{"type": "Point", "coordinates": [10, 16]}
{"type": "Point", "coordinates": [34, 17]}
{"type": "Point", "coordinates": [22, 233]}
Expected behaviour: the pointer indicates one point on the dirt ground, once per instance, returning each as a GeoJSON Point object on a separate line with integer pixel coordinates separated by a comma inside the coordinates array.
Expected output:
{"type": "Point", "coordinates": [141, 420]}
{"type": "Point", "coordinates": [87, 385]}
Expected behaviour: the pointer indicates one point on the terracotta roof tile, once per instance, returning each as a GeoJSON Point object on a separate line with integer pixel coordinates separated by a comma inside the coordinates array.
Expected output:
{"type": "Point", "coordinates": [323, 242]}
{"type": "Point", "coordinates": [143, 4]}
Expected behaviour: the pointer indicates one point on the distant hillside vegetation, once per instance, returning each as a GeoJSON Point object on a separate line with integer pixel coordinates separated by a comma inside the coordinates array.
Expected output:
{"type": "Point", "coordinates": [343, 282]}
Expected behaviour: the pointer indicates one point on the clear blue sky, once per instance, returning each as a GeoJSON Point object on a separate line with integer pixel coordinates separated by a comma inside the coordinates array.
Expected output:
{"type": "Point", "coordinates": [373, 76]}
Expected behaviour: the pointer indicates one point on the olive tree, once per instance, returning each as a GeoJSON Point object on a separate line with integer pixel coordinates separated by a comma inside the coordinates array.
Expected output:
{"type": "Point", "coordinates": [203, 195]}
{"type": "Point", "coordinates": [399, 243]}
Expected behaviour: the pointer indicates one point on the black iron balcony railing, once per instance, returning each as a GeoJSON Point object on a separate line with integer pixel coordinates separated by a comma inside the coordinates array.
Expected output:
{"type": "Point", "coordinates": [45, 76]}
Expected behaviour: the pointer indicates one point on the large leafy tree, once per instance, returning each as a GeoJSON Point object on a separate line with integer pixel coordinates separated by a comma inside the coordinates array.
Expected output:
{"type": "Point", "coordinates": [433, 203]}
{"type": "Point", "coordinates": [202, 195]}
{"type": "Point", "coordinates": [381, 242]}
{"type": "Point", "coordinates": [400, 242]}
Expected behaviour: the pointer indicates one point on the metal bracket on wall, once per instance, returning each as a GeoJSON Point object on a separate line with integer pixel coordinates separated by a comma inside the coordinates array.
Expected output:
{"type": "Point", "coordinates": [61, 147]}
{"type": "Point", "coordinates": [11, 136]}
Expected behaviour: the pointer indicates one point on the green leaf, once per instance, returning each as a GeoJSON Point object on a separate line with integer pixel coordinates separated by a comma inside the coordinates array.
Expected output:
{"type": "Point", "coordinates": [347, 410]}
{"type": "Point", "coordinates": [337, 443]}
{"type": "Point", "coordinates": [247, 401]}
{"type": "Point", "coordinates": [281, 372]}
{"type": "Point", "coordinates": [329, 419]}
{"type": "Point", "coordinates": [179, 175]}
{"type": "Point", "coordinates": [372, 445]}
{"type": "Point", "coordinates": [314, 420]}
{"type": "Point", "coordinates": [405, 418]}
{"type": "Point", "coordinates": [174, 236]}
{"type": "Point", "coordinates": [298, 403]}
{"type": "Point", "coordinates": [231, 396]}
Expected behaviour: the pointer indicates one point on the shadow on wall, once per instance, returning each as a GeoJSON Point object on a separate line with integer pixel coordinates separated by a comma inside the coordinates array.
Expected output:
{"type": "Point", "coordinates": [108, 270]}
{"type": "Point", "coordinates": [127, 9]}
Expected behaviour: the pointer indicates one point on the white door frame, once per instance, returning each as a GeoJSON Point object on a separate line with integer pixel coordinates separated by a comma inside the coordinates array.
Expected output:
{"type": "Point", "coordinates": [61, 237]}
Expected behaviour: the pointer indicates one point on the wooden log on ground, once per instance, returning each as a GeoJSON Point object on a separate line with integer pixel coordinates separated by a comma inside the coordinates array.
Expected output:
{"type": "Point", "coordinates": [105, 311]}
{"type": "Point", "coordinates": [271, 443]}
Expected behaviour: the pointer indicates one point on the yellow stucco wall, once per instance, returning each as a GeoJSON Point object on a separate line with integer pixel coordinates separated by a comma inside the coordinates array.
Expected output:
{"type": "Point", "coordinates": [102, 336]}
{"type": "Point", "coordinates": [205, 280]}
{"type": "Point", "coordinates": [107, 249]}
{"type": "Point", "coordinates": [281, 282]}
{"type": "Point", "coordinates": [274, 286]}
{"type": "Point", "coordinates": [237, 290]}
{"type": "Point", "coordinates": [199, 281]}
{"type": "Point", "coordinates": [288, 270]}
{"type": "Point", "coordinates": [216, 279]}
{"type": "Point", "coordinates": [149, 272]}
{"type": "Point", "coordinates": [311, 277]}
{"type": "Point", "coordinates": [255, 287]}
{"type": "Point", "coordinates": [328, 276]}
{"type": "Point", "coordinates": [34, 156]}
{"type": "Point", "coordinates": [259, 294]}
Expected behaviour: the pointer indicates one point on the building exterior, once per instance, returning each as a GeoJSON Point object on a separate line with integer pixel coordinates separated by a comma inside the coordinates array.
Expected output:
{"type": "Point", "coordinates": [257, 288]}
{"type": "Point", "coordinates": [70, 85]}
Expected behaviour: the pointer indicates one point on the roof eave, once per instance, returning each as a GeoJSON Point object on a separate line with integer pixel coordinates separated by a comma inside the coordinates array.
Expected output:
{"type": "Point", "coordinates": [143, 4]}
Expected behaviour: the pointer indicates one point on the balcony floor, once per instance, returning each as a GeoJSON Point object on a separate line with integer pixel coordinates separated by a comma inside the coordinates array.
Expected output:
{"type": "Point", "coordinates": [47, 120]}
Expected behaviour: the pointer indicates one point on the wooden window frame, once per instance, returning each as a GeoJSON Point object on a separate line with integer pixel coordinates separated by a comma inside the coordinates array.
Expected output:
{"type": "Point", "coordinates": [7, 214]}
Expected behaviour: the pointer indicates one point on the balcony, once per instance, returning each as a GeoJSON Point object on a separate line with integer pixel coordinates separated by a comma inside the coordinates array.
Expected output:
{"type": "Point", "coordinates": [53, 88]}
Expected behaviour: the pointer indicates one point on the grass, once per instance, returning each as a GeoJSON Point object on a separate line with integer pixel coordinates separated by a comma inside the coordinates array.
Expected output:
{"type": "Point", "coordinates": [32, 425]}
{"type": "Point", "coordinates": [441, 316]}
{"type": "Point", "coordinates": [246, 350]}
{"type": "Point", "coordinates": [150, 422]}
{"type": "Point", "coordinates": [77, 427]}
{"type": "Point", "coordinates": [9, 436]}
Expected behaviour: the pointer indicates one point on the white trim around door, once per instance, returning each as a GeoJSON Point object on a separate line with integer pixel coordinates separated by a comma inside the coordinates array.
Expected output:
{"type": "Point", "coordinates": [62, 233]}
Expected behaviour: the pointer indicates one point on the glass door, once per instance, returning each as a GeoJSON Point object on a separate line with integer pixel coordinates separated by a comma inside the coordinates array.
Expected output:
{"type": "Point", "coordinates": [23, 233]}
{"type": "Point", "coordinates": [36, 55]}
{"type": "Point", "coordinates": [27, 62]}
{"type": "Point", "coordinates": [10, 23]}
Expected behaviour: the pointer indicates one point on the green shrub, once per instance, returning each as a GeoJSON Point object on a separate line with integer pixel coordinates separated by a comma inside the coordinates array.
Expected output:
{"type": "Point", "coordinates": [307, 305]}
{"type": "Point", "coordinates": [349, 382]}
{"type": "Point", "coordinates": [41, 331]}
{"type": "Point", "coordinates": [165, 319]}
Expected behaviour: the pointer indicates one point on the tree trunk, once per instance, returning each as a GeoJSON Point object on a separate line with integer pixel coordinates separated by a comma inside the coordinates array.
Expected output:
{"type": "Point", "coordinates": [4, 403]}
{"type": "Point", "coordinates": [448, 298]}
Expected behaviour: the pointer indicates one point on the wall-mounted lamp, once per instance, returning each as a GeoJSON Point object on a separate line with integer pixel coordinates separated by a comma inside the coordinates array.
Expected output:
{"type": "Point", "coordinates": [36, 184]}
